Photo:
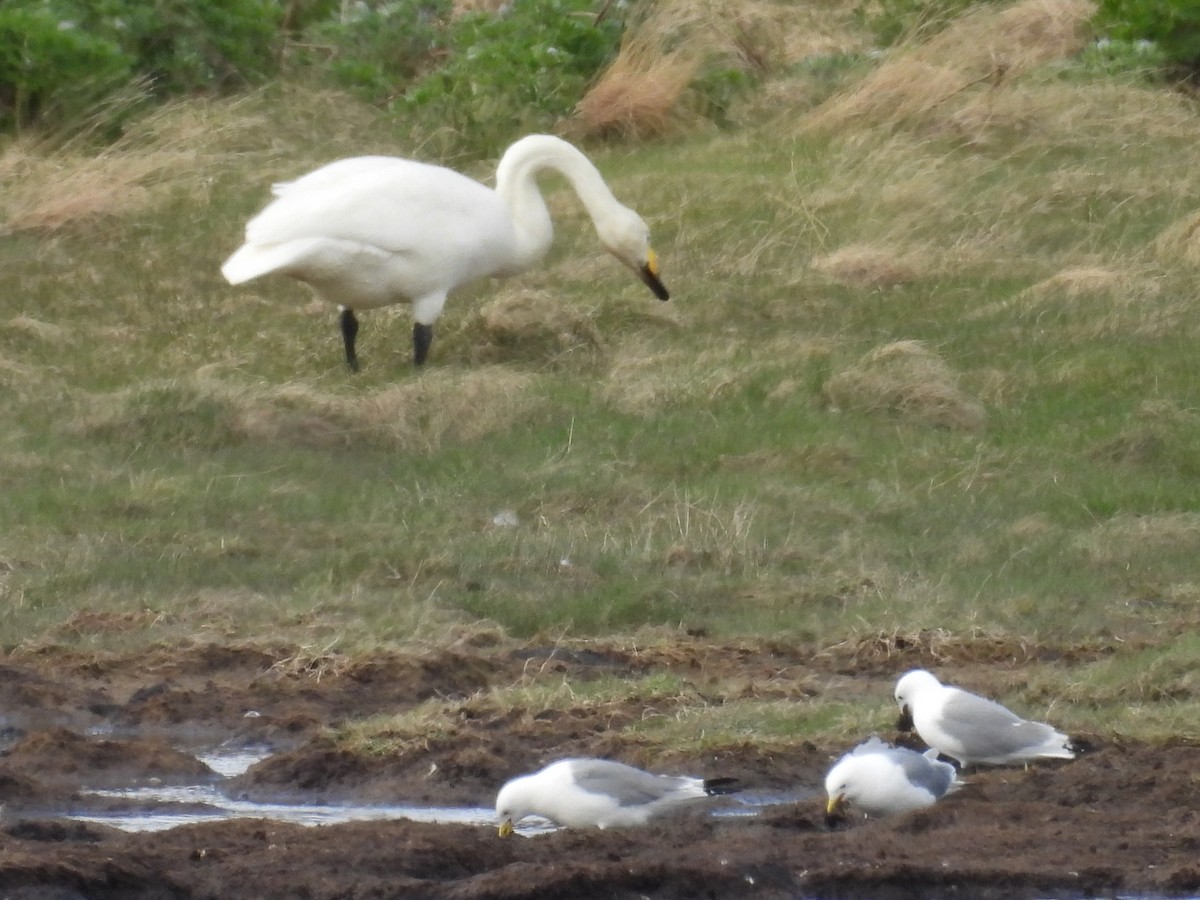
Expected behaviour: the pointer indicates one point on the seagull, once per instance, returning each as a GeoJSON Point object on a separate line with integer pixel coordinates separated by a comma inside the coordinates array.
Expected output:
{"type": "Point", "coordinates": [972, 729]}
{"type": "Point", "coordinates": [599, 793]}
{"type": "Point", "coordinates": [880, 780]}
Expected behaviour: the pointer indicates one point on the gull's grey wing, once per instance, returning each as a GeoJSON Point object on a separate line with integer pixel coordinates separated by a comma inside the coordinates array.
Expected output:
{"type": "Point", "coordinates": [988, 730]}
{"type": "Point", "coordinates": [625, 784]}
{"type": "Point", "coordinates": [925, 773]}
{"type": "Point", "coordinates": [871, 745]}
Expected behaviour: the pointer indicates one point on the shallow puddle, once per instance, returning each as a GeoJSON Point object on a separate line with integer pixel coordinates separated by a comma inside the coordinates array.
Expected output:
{"type": "Point", "coordinates": [189, 804]}
{"type": "Point", "coordinates": [157, 808]}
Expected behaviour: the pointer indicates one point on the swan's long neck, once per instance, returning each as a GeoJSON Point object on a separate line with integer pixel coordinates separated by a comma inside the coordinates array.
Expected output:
{"type": "Point", "coordinates": [516, 183]}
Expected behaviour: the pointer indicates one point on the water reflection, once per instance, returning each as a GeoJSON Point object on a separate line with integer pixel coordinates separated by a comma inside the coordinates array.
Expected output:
{"type": "Point", "coordinates": [157, 808]}
{"type": "Point", "coordinates": [189, 804]}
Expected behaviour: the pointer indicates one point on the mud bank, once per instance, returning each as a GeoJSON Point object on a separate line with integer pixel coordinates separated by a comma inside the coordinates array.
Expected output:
{"type": "Point", "coordinates": [1119, 821]}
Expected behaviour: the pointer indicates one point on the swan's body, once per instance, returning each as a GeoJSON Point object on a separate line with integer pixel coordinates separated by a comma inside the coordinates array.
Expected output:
{"type": "Point", "coordinates": [598, 793]}
{"type": "Point", "coordinates": [973, 729]}
{"type": "Point", "coordinates": [372, 231]}
{"type": "Point", "coordinates": [880, 780]}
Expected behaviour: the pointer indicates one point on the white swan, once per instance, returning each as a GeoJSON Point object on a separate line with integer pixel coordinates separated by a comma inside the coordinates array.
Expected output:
{"type": "Point", "coordinates": [375, 230]}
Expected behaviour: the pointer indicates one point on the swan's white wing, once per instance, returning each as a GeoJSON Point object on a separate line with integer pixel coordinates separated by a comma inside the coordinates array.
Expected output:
{"type": "Point", "coordinates": [373, 230]}
{"type": "Point", "coordinates": [397, 207]}
{"type": "Point", "coordinates": [335, 172]}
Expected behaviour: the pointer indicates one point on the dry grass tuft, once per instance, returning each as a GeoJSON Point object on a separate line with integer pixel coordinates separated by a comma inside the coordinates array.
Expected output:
{"type": "Point", "coordinates": [460, 407]}
{"type": "Point", "coordinates": [904, 89]}
{"type": "Point", "coordinates": [803, 31]}
{"type": "Point", "coordinates": [864, 266]}
{"type": "Point", "coordinates": [1080, 281]}
{"type": "Point", "coordinates": [313, 662]}
{"type": "Point", "coordinates": [43, 331]}
{"type": "Point", "coordinates": [46, 183]}
{"type": "Point", "coordinates": [645, 91]}
{"type": "Point", "coordinates": [462, 7]}
{"type": "Point", "coordinates": [417, 416]}
{"type": "Point", "coordinates": [927, 647]}
{"type": "Point", "coordinates": [12, 372]}
{"type": "Point", "coordinates": [532, 325]}
{"type": "Point", "coordinates": [1180, 241]}
{"type": "Point", "coordinates": [644, 379]}
{"type": "Point", "coordinates": [981, 52]}
{"type": "Point", "coordinates": [1124, 538]}
{"type": "Point", "coordinates": [49, 192]}
{"type": "Point", "coordinates": [292, 415]}
{"type": "Point", "coordinates": [1151, 438]}
{"type": "Point", "coordinates": [1087, 302]}
{"type": "Point", "coordinates": [638, 95]}
{"type": "Point", "coordinates": [908, 379]}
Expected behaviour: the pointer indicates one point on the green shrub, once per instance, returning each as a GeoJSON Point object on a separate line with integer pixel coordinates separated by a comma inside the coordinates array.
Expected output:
{"type": "Point", "coordinates": [893, 20]}
{"type": "Point", "coordinates": [513, 72]}
{"type": "Point", "coordinates": [50, 68]}
{"type": "Point", "coordinates": [184, 47]}
{"type": "Point", "coordinates": [60, 58]}
{"type": "Point", "coordinates": [379, 51]}
{"type": "Point", "coordinates": [300, 14]}
{"type": "Point", "coordinates": [1172, 25]}
{"type": "Point", "coordinates": [716, 91]}
{"type": "Point", "coordinates": [1120, 58]}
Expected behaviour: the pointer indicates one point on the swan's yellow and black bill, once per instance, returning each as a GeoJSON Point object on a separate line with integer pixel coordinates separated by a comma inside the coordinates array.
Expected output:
{"type": "Point", "coordinates": [835, 804]}
{"type": "Point", "coordinates": [649, 273]}
{"type": "Point", "coordinates": [506, 828]}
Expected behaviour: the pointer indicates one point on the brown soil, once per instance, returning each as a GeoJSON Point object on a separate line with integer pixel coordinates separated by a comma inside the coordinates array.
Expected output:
{"type": "Point", "coordinates": [1118, 821]}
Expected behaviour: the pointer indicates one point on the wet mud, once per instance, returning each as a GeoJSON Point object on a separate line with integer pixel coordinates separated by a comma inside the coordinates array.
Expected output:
{"type": "Point", "coordinates": [1121, 820]}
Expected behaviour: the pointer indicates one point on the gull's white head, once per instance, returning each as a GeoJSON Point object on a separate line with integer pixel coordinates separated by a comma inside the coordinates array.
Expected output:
{"type": "Point", "coordinates": [841, 787]}
{"type": "Point", "coordinates": [512, 804]}
{"type": "Point", "coordinates": [911, 685]}
{"type": "Point", "coordinates": [856, 781]}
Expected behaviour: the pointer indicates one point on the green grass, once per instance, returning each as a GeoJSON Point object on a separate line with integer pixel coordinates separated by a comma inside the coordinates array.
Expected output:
{"type": "Point", "coordinates": [192, 458]}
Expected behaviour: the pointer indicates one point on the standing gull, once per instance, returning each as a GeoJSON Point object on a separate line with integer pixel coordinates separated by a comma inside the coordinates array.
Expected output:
{"type": "Point", "coordinates": [880, 780]}
{"type": "Point", "coordinates": [973, 729]}
{"type": "Point", "coordinates": [598, 793]}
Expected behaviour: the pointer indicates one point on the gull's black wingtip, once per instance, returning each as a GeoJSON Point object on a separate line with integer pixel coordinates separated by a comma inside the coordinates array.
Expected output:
{"type": "Point", "coordinates": [717, 786]}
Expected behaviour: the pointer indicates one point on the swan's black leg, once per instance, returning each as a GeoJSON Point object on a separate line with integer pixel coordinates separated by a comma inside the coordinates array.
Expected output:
{"type": "Point", "coordinates": [422, 338]}
{"type": "Point", "coordinates": [349, 333]}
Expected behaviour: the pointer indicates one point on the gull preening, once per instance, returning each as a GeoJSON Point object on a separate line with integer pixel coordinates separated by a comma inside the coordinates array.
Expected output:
{"type": "Point", "coordinates": [973, 729]}
{"type": "Point", "coordinates": [599, 793]}
{"type": "Point", "coordinates": [878, 779]}
{"type": "Point", "coordinates": [373, 231]}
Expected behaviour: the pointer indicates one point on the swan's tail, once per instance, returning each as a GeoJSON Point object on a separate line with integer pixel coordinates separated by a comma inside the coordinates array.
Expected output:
{"type": "Point", "coordinates": [251, 261]}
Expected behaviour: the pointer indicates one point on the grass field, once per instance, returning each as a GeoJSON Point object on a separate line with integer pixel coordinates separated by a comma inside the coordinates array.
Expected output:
{"type": "Point", "coordinates": [929, 365]}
